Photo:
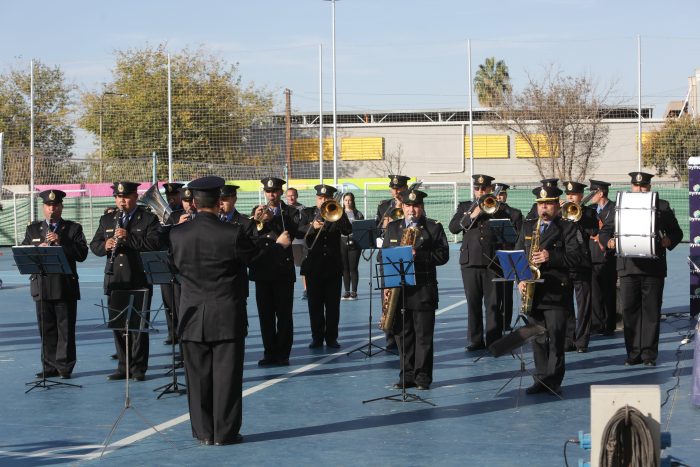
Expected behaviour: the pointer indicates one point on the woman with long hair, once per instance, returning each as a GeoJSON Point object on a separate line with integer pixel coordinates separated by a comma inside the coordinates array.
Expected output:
{"type": "Point", "coordinates": [349, 252]}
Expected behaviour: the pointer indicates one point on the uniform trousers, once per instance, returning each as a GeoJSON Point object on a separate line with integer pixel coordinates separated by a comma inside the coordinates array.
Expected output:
{"type": "Point", "coordinates": [169, 293]}
{"type": "Point", "coordinates": [214, 372]}
{"type": "Point", "coordinates": [603, 297]}
{"type": "Point", "coordinates": [479, 288]}
{"type": "Point", "coordinates": [548, 349]}
{"type": "Point", "coordinates": [641, 312]}
{"type": "Point", "coordinates": [578, 324]}
{"type": "Point", "coordinates": [323, 297]}
{"type": "Point", "coordinates": [275, 302]}
{"type": "Point", "coordinates": [414, 337]}
{"type": "Point", "coordinates": [504, 291]}
{"type": "Point", "coordinates": [139, 343]}
{"type": "Point", "coordinates": [57, 318]}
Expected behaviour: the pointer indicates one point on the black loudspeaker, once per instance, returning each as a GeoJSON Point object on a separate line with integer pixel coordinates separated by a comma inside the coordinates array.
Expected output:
{"type": "Point", "coordinates": [515, 339]}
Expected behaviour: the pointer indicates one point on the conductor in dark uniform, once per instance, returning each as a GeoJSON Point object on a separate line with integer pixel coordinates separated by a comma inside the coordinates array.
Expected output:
{"type": "Point", "coordinates": [559, 250]}
{"type": "Point", "coordinates": [56, 295]}
{"type": "Point", "coordinates": [210, 257]}
{"type": "Point", "coordinates": [322, 267]}
{"type": "Point", "coordinates": [168, 294]}
{"type": "Point", "coordinates": [477, 266]}
{"type": "Point", "coordinates": [122, 236]}
{"type": "Point", "coordinates": [578, 326]}
{"type": "Point", "coordinates": [415, 338]}
{"type": "Point", "coordinates": [604, 274]}
{"type": "Point", "coordinates": [274, 280]}
{"type": "Point", "coordinates": [642, 283]}
{"type": "Point", "coordinates": [505, 289]}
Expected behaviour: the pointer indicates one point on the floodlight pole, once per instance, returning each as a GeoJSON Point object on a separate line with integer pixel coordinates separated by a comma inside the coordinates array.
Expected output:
{"type": "Point", "coordinates": [320, 113]}
{"type": "Point", "coordinates": [170, 127]}
{"type": "Point", "coordinates": [31, 141]}
{"type": "Point", "coordinates": [335, 119]}
{"type": "Point", "coordinates": [639, 103]}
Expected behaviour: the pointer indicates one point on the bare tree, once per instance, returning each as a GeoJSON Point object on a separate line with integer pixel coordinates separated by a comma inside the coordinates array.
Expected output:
{"type": "Point", "coordinates": [392, 164]}
{"type": "Point", "coordinates": [561, 119]}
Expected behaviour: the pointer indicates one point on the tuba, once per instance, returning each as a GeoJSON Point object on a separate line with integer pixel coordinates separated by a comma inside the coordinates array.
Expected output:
{"type": "Point", "coordinates": [155, 202]}
{"type": "Point", "coordinates": [386, 321]}
{"type": "Point", "coordinates": [529, 294]}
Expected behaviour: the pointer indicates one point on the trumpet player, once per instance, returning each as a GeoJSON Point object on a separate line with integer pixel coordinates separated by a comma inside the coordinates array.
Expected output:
{"type": "Point", "coordinates": [321, 226]}
{"type": "Point", "coordinates": [398, 184]}
{"type": "Point", "coordinates": [430, 249]}
{"type": "Point", "coordinates": [56, 295]}
{"type": "Point", "coordinates": [478, 270]}
{"type": "Point", "coordinates": [274, 276]}
{"type": "Point", "coordinates": [578, 325]}
{"type": "Point", "coordinates": [122, 236]}
{"type": "Point", "coordinates": [505, 289]}
{"type": "Point", "coordinates": [188, 209]}
{"type": "Point", "coordinates": [559, 251]}
{"type": "Point", "coordinates": [169, 296]}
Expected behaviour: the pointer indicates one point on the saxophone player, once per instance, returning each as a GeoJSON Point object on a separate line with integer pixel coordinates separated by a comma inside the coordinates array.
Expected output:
{"type": "Point", "coordinates": [430, 249]}
{"type": "Point", "coordinates": [559, 251]}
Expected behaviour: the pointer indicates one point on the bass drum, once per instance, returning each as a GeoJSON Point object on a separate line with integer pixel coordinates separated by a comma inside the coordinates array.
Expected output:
{"type": "Point", "coordinates": [635, 224]}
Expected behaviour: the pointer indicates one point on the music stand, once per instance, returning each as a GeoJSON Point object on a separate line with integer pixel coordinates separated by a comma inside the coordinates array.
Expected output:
{"type": "Point", "coordinates": [503, 232]}
{"type": "Point", "coordinates": [130, 318]}
{"type": "Point", "coordinates": [159, 270]}
{"type": "Point", "coordinates": [42, 260]}
{"type": "Point", "coordinates": [364, 235]}
{"type": "Point", "coordinates": [517, 268]}
{"type": "Point", "coordinates": [397, 271]}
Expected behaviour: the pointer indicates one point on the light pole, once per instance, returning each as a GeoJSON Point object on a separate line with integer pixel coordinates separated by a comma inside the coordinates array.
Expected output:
{"type": "Point", "coordinates": [102, 101]}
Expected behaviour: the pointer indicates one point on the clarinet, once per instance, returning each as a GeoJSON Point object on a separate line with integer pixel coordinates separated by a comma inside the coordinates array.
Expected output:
{"type": "Point", "coordinates": [117, 225]}
{"type": "Point", "coordinates": [50, 230]}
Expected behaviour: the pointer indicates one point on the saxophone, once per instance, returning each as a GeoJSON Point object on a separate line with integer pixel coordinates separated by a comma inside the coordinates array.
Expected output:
{"type": "Point", "coordinates": [529, 294]}
{"type": "Point", "coordinates": [386, 322]}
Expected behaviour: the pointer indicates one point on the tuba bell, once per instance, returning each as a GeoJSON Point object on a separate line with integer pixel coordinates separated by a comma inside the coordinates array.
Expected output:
{"type": "Point", "coordinates": [153, 200]}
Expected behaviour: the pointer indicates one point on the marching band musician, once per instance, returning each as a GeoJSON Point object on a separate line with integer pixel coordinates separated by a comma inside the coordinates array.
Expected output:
{"type": "Point", "coordinates": [398, 184]}
{"type": "Point", "coordinates": [546, 182]}
{"type": "Point", "coordinates": [188, 211]}
{"type": "Point", "coordinates": [477, 266]}
{"type": "Point", "coordinates": [505, 290]}
{"type": "Point", "coordinates": [578, 324]}
{"type": "Point", "coordinates": [56, 295]}
{"type": "Point", "coordinates": [292, 196]}
{"type": "Point", "coordinates": [274, 280]}
{"type": "Point", "coordinates": [642, 282]}
{"type": "Point", "coordinates": [170, 296]}
{"type": "Point", "coordinates": [604, 276]}
{"type": "Point", "coordinates": [121, 236]}
{"type": "Point", "coordinates": [229, 213]}
{"type": "Point", "coordinates": [415, 339]}
{"type": "Point", "coordinates": [322, 268]}
{"type": "Point", "coordinates": [559, 251]}
{"type": "Point", "coordinates": [210, 256]}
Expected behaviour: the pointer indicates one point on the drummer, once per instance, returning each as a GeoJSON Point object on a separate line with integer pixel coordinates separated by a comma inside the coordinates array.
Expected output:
{"type": "Point", "coordinates": [642, 281]}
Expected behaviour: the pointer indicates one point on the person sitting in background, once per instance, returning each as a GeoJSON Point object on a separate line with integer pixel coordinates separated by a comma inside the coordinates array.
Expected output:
{"type": "Point", "coordinates": [349, 252]}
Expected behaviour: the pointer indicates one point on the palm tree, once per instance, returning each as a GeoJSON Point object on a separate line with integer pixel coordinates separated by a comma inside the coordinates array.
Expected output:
{"type": "Point", "coordinates": [492, 82]}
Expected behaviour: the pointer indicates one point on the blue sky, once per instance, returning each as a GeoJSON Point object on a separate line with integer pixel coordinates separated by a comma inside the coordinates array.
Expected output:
{"type": "Point", "coordinates": [391, 54]}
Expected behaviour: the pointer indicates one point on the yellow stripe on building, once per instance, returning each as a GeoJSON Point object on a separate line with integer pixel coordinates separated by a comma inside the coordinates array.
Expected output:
{"type": "Point", "coordinates": [523, 150]}
{"type": "Point", "coordinates": [306, 149]}
{"type": "Point", "coordinates": [362, 149]}
{"type": "Point", "coordinates": [488, 147]}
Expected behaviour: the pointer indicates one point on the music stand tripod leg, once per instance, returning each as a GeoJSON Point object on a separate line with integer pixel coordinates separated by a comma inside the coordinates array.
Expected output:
{"type": "Point", "coordinates": [172, 387]}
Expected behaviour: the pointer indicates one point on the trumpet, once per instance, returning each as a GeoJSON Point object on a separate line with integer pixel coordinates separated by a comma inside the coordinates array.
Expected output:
{"type": "Point", "coordinates": [572, 212]}
{"type": "Point", "coordinates": [259, 217]}
{"type": "Point", "coordinates": [330, 211]}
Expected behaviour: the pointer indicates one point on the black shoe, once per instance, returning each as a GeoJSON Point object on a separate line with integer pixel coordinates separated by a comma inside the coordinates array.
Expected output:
{"type": "Point", "coordinates": [236, 439]}
{"type": "Point", "coordinates": [282, 362]}
{"type": "Point", "coordinates": [570, 348]}
{"type": "Point", "coordinates": [168, 341]}
{"type": "Point", "coordinates": [64, 375]}
{"type": "Point", "coordinates": [391, 345]}
{"type": "Point", "coordinates": [52, 373]}
{"type": "Point", "coordinates": [117, 375]}
{"type": "Point", "coordinates": [353, 295]}
{"type": "Point", "coordinates": [422, 387]}
{"type": "Point", "coordinates": [267, 362]}
{"type": "Point", "coordinates": [475, 347]}
{"type": "Point", "coordinates": [333, 344]}
{"type": "Point", "coordinates": [114, 356]}
{"type": "Point", "coordinates": [535, 389]}
{"type": "Point", "coordinates": [138, 377]}
{"type": "Point", "coordinates": [315, 344]}
{"type": "Point", "coordinates": [399, 385]}
{"type": "Point", "coordinates": [649, 362]}
{"type": "Point", "coordinates": [582, 349]}
{"type": "Point", "coordinates": [346, 296]}
{"type": "Point", "coordinates": [633, 361]}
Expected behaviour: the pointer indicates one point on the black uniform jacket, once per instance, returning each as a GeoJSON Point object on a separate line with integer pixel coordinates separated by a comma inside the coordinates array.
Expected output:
{"type": "Point", "coordinates": [144, 235]}
{"type": "Point", "coordinates": [478, 243]}
{"type": "Point", "coordinates": [515, 216]}
{"type": "Point", "coordinates": [432, 250]}
{"type": "Point", "coordinates": [72, 240]}
{"type": "Point", "coordinates": [606, 231]}
{"type": "Point", "coordinates": [384, 209]}
{"type": "Point", "coordinates": [324, 258]}
{"type": "Point", "coordinates": [210, 257]}
{"type": "Point", "coordinates": [284, 270]}
{"type": "Point", "coordinates": [245, 222]}
{"type": "Point", "coordinates": [587, 227]}
{"type": "Point", "coordinates": [667, 224]}
{"type": "Point", "coordinates": [560, 240]}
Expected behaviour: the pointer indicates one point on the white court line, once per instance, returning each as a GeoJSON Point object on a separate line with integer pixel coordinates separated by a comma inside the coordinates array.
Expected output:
{"type": "Point", "coordinates": [264, 385]}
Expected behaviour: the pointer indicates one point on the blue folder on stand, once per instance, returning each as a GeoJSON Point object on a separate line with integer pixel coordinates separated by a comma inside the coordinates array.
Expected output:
{"type": "Point", "coordinates": [393, 259]}
{"type": "Point", "coordinates": [515, 265]}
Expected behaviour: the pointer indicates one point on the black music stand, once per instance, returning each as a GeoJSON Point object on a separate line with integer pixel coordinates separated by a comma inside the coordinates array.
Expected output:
{"type": "Point", "coordinates": [397, 271]}
{"type": "Point", "coordinates": [364, 235]}
{"type": "Point", "coordinates": [159, 270]}
{"type": "Point", "coordinates": [517, 268]}
{"type": "Point", "coordinates": [42, 260]}
{"type": "Point", "coordinates": [127, 311]}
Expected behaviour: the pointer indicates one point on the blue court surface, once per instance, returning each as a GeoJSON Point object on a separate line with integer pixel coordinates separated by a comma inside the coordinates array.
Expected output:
{"type": "Point", "coordinates": [311, 413]}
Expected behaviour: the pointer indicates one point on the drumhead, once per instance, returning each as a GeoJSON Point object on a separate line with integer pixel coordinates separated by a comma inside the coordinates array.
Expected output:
{"type": "Point", "coordinates": [635, 224]}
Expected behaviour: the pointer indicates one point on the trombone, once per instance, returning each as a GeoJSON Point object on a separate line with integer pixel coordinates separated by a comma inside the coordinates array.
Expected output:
{"type": "Point", "coordinates": [488, 203]}
{"type": "Point", "coordinates": [572, 212]}
{"type": "Point", "coordinates": [330, 211]}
